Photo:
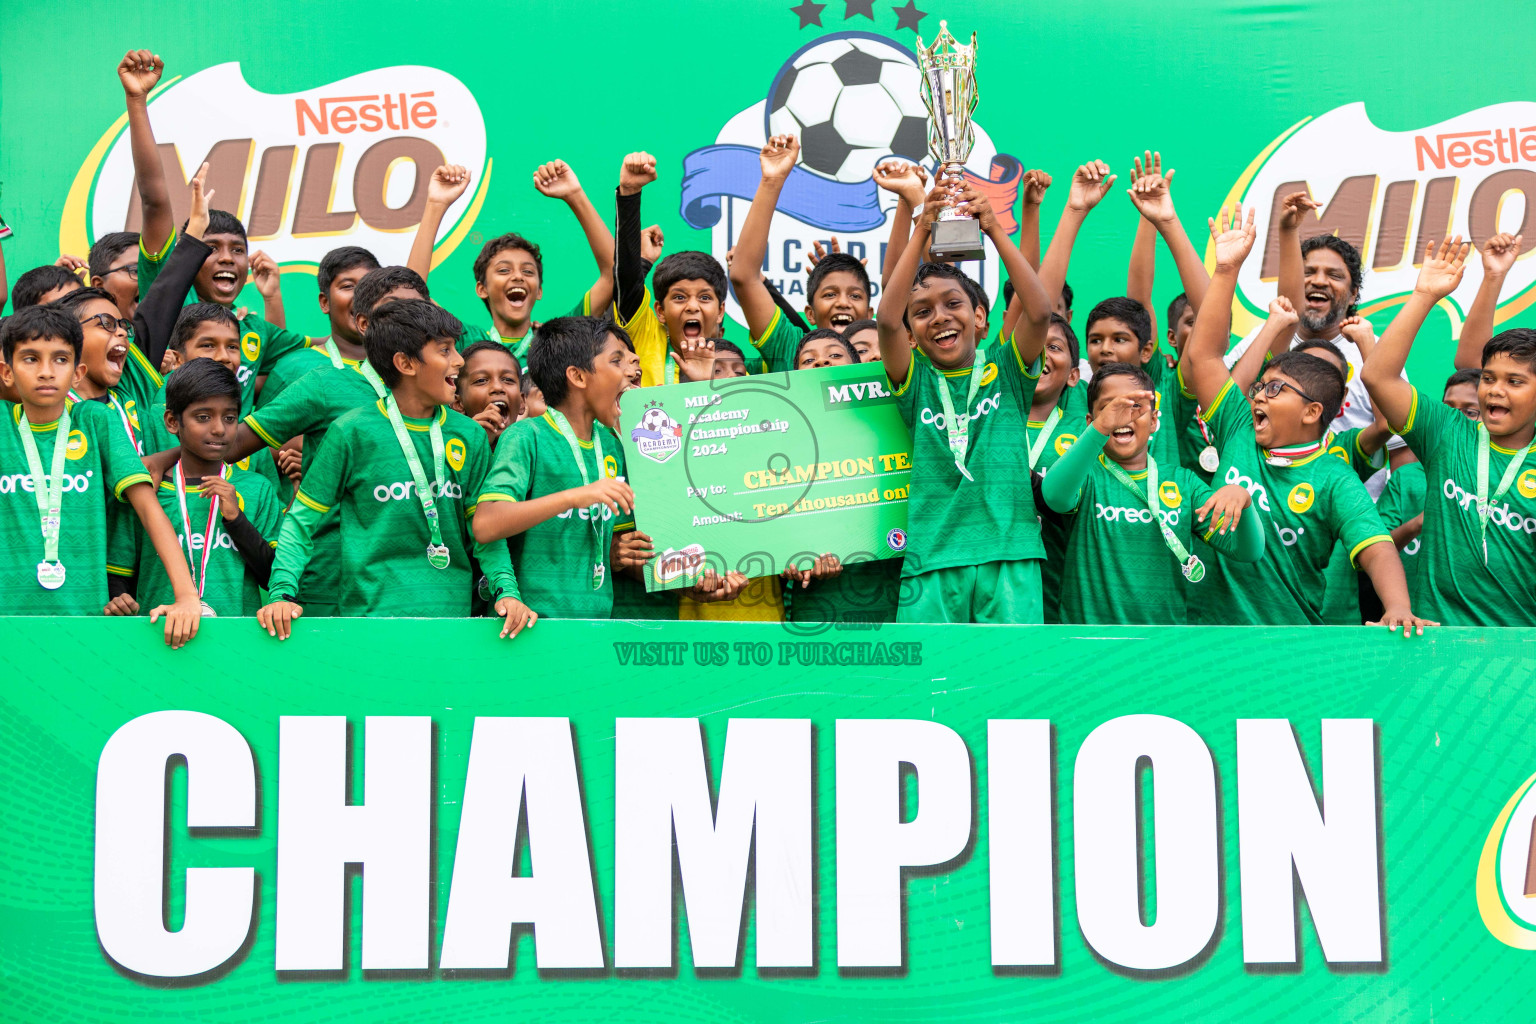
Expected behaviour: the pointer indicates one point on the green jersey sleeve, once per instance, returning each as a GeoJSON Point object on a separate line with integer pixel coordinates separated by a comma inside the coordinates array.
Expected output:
{"type": "Point", "coordinates": [276, 342]}
{"type": "Point", "coordinates": [778, 343]}
{"type": "Point", "coordinates": [1430, 426]}
{"type": "Point", "coordinates": [512, 470]}
{"type": "Point", "coordinates": [151, 263]}
{"type": "Point", "coordinates": [1346, 446]}
{"type": "Point", "coordinates": [1352, 514]}
{"type": "Point", "coordinates": [316, 496]}
{"type": "Point", "coordinates": [120, 462]}
{"type": "Point", "coordinates": [494, 558]}
{"type": "Point", "coordinates": [1230, 418]}
{"type": "Point", "coordinates": [304, 405]}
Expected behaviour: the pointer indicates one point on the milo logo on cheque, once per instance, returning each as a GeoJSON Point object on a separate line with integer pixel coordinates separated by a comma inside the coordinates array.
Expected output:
{"type": "Point", "coordinates": [302, 170]}
{"type": "Point", "coordinates": [674, 564]}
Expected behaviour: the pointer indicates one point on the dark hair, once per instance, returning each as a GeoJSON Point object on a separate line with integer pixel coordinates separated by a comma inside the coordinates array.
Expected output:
{"type": "Point", "coordinates": [859, 325]}
{"type": "Point", "coordinates": [1320, 379]}
{"type": "Point", "coordinates": [1460, 377]}
{"type": "Point", "coordinates": [1108, 370]}
{"type": "Point", "coordinates": [1128, 311]}
{"type": "Point", "coordinates": [525, 384]}
{"type": "Point", "coordinates": [607, 325]}
{"type": "Point", "coordinates": [108, 248]}
{"type": "Point", "coordinates": [35, 323]}
{"type": "Point", "coordinates": [30, 287]}
{"type": "Point", "coordinates": [1176, 309]}
{"type": "Point", "coordinates": [1519, 343]}
{"type": "Point", "coordinates": [1348, 253]}
{"type": "Point", "coordinates": [731, 348]}
{"type": "Point", "coordinates": [831, 264]}
{"type": "Point", "coordinates": [944, 270]}
{"type": "Point", "coordinates": [378, 283]}
{"type": "Point", "coordinates": [197, 313]}
{"type": "Point", "coordinates": [1066, 294]}
{"type": "Point", "coordinates": [489, 346]}
{"type": "Point", "coordinates": [405, 327]}
{"type": "Point", "coordinates": [1319, 345]}
{"type": "Point", "coordinates": [80, 296]}
{"type": "Point", "coordinates": [500, 244]}
{"type": "Point", "coordinates": [1074, 350]}
{"type": "Point", "coordinates": [199, 379]}
{"type": "Point", "coordinates": [561, 343]}
{"type": "Point", "coordinates": [977, 293]}
{"type": "Point", "coordinates": [688, 265]}
{"type": "Point", "coordinates": [338, 260]}
{"type": "Point", "coordinates": [819, 334]}
{"type": "Point", "coordinates": [221, 222]}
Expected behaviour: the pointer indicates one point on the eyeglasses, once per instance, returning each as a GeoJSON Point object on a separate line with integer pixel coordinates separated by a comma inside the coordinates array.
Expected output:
{"type": "Point", "coordinates": [131, 269]}
{"type": "Point", "coordinates": [108, 322]}
{"type": "Point", "coordinates": [1273, 387]}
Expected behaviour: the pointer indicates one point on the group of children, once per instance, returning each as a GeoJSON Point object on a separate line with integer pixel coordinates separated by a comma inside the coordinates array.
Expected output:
{"type": "Point", "coordinates": [416, 463]}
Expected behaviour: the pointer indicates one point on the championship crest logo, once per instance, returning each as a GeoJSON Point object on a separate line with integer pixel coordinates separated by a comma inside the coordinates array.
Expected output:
{"type": "Point", "coordinates": [657, 436]}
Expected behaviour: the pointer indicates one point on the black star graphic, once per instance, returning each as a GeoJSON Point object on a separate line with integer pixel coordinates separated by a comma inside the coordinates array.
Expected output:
{"type": "Point", "coordinates": [864, 7]}
{"type": "Point", "coordinates": [809, 13]}
{"type": "Point", "coordinates": [909, 16]}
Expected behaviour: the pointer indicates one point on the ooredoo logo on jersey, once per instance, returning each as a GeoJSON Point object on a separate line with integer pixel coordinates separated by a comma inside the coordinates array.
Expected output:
{"type": "Point", "coordinates": [304, 171]}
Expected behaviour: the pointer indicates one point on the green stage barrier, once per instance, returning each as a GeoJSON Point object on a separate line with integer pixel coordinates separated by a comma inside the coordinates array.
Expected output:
{"type": "Point", "coordinates": [617, 821]}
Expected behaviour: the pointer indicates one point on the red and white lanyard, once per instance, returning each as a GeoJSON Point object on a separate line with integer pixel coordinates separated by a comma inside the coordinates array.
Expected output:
{"type": "Point", "coordinates": [208, 531]}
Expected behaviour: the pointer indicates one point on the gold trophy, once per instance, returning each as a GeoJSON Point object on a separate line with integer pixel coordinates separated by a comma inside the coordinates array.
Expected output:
{"type": "Point", "coordinates": [949, 92]}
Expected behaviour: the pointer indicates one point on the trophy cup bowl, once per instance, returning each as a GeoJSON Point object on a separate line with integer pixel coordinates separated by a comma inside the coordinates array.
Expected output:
{"type": "Point", "coordinates": [949, 91]}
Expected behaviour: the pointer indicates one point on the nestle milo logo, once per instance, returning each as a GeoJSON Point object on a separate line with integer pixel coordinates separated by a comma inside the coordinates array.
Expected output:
{"type": "Point", "coordinates": [347, 160]}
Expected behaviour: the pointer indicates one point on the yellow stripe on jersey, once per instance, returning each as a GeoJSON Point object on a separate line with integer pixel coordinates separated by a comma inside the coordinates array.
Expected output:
{"type": "Point", "coordinates": [119, 570]}
{"type": "Point", "coordinates": [1220, 397]}
{"type": "Point", "coordinates": [494, 496]}
{"type": "Point", "coordinates": [1413, 412]}
{"type": "Point", "coordinates": [272, 442]}
{"type": "Point", "coordinates": [1367, 543]}
{"type": "Point", "coordinates": [757, 340]}
{"type": "Point", "coordinates": [310, 502]}
{"type": "Point", "coordinates": [906, 382]}
{"type": "Point", "coordinates": [143, 361]}
{"type": "Point", "coordinates": [165, 250]}
{"type": "Point", "coordinates": [128, 481]}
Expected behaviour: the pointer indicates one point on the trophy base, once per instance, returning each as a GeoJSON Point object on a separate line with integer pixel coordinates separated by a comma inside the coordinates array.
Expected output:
{"type": "Point", "coordinates": [956, 240]}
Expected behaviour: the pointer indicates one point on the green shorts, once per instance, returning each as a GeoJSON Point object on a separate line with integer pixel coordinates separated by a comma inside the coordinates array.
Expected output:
{"type": "Point", "coordinates": [993, 592]}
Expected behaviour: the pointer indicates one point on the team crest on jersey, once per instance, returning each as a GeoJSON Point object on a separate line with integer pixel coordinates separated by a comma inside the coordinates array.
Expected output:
{"type": "Point", "coordinates": [853, 99]}
{"type": "Point", "coordinates": [1064, 442]}
{"type": "Point", "coordinates": [454, 450]}
{"type": "Point", "coordinates": [896, 539]}
{"type": "Point", "coordinates": [1168, 490]}
{"type": "Point", "coordinates": [1527, 484]}
{"type": "Point", "coordinates": [610, 466]}
{"type": "Point", "coordinates": [76, 447]}
{"type": "Point", "coordinates": [244, 464]}
{"type": "Point", "coordinates": [132, 409]}
{"type": "Point", "coordinates": [250, 346]}
{"type": "Point", "coordinates": [989, 374]}
{"type": "Point", "coordinates": [1301, 497]}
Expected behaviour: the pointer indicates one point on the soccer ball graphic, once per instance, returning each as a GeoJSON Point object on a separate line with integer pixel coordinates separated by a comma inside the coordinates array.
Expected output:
{"type": "Point", "coordinates": [656, 421]}
{"type": "Point", "coordinates": [853, 101]}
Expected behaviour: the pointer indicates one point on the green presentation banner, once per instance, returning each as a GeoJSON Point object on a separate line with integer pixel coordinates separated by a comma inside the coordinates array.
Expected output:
{"type": "Point", "coordinates": [412, 820]}
{"type": "Point", "coordinates": [742, 473]}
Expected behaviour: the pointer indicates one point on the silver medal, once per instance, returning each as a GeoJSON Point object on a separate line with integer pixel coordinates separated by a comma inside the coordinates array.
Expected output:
{"type": "Point", "coordinates": [208, 612]}
{"type": "Point", "coordinates": [1210, 459]}
{"type": "Point", "coordinates": [50, 575]}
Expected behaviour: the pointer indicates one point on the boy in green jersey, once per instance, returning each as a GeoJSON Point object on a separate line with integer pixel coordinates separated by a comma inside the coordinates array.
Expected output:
{"type": "Point", "coordinates": [557, 487]}
{"type": "Point", "coordinates": [1056, 418]}
{"type": "Point", "coordinates": [509, 272]}
{"type": "Point", "coordinates": [1480, 506]}
{"type": "Point", "coordinates": [864, 336]}
{"type": "Point", "coordinates": [400, 471]}
{"type": "Point", "coordinates": [227, 517]}
{"type": "Point", "coordinates": [489, 388]}
{"type": "Point", "coordinates": [263, 340]}
{"type": "Point", "coordinates": [1132, 520]}
{"type": "Point", "coordinates": [308, 409]}
{"type": "Point", "coordinates": [61, 461]}
{"type": "Point", "coordinates": [837, 290]}
{"type": "Point", "coordinates": [114, 372]}
{"type": "Point", "coordinates": [338, 274]}
{"type": "Point", "coordinates": [973, 539]}
{"type": "Point", "coordinates": [1275, 448]}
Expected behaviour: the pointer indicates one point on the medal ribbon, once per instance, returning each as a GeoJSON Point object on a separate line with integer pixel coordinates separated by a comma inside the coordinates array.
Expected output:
{"type": "Point", "coordinates": [121, 412]}
{"type": "Point", "coordinates": [209, 535]}
{"type": "Point", "coordinates": [49, 489]}
{"type": "Point", "coordinates": [424, 490]}
{"type": "Point", "coordinates": [1510, 472]}
{"type": "Point", "coordinates": [1169, 537]}
{"type": "Point", "coordinates": [958, 428]}
{"type": "Point", "coordinates": [594, 512]}
{"type": "Point", "coordinates": [1036, 449]}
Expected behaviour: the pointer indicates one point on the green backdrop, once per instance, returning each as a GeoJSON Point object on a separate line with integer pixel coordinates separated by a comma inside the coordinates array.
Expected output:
{"type": "Point", "coordinates": [1454, 745]}
{"type": "Point", "coordinates": [1207, 82]}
